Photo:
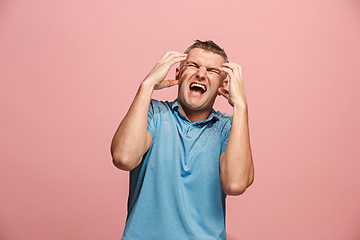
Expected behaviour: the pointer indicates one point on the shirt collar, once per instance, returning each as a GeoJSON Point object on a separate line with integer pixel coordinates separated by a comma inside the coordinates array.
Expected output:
{"type": "Point", "coordinates": [212, 117]}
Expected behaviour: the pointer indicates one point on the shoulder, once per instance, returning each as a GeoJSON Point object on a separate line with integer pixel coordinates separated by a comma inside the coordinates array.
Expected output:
{"type": "Point", "coordinates": [160, 106]}
{"type": "Point", "coordinates": [223, 117]}
{"type": "Point", "coordinates": [160, 103]}
{"type": "Point", "coordinates": [223, 122]}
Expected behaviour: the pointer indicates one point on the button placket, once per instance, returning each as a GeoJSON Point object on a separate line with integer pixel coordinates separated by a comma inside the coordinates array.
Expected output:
{"type": "Point", "coordinates": [188, 129]}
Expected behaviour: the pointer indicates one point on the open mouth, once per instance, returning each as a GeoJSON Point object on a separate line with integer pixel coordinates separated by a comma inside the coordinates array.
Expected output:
{"type": "Point", "coordinates": [198, 88]}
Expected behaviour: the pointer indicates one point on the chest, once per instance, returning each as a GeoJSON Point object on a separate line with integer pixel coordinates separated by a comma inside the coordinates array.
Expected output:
{"type": "Point", "coordinates": [186, 147]}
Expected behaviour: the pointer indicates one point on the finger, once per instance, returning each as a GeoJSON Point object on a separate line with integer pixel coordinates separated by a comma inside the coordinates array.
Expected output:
{"type": "Point", "coordinates": [232, 65]}
{"type": "Point", "coordinates": [228, 71]}
{"type": "Point", "coordinates": [176, 59]}
{"type": "Point", "coordinates": [166, 84]}
{"type": "Point", "coordinates": [168, 56]}
{"type": "Point", "coordinates": [240, 71]}
{"type": "Point", "coordinates": [172, 82]}
{"type": "Point", "coordinates": [174, 55]}
{"type": "Point", "coordinates": [236, 68]}
{"type": "Point", "coordinates": [172, 59]}
{"type": "Point", "coordinates": [168, 53]}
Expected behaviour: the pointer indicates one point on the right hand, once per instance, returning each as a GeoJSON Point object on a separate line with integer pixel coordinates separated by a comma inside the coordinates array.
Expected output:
{"type": "Point", "coordinates": [157, 75]}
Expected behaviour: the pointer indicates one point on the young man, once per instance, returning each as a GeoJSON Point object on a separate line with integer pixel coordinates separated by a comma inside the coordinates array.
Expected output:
{"type": "Point", "coordinates": [184, 157]}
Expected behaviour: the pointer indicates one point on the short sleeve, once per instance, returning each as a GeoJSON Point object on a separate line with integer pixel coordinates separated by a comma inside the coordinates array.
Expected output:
{"type": "Point", "coordinates": [151, 119]}
{"type": "Point", "coordinates": [225, 134]}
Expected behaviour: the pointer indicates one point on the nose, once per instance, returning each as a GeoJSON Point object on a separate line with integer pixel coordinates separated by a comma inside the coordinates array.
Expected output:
{"type": "Point", "coordinates": [201, 73]}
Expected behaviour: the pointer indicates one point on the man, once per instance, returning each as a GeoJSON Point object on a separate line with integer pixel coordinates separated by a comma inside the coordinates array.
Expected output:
{"type": "Point", "coordinates": [184, 157]}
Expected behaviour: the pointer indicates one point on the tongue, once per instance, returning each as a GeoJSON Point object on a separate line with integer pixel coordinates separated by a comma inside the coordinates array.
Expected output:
{"type": "Point", "coordinates": [196, 91]}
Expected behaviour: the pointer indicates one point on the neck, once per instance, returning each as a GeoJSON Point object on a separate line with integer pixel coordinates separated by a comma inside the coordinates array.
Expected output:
{"type": "Point", "coordinates": [194, 115]}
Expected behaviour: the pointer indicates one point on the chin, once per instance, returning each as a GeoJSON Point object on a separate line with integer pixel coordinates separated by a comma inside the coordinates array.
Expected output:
{"type": "Point", "coordinates": [198, 106]}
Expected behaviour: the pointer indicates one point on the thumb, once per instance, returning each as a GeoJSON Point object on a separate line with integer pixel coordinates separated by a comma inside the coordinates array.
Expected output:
{"type": "Point", "coordinates": [166, 83]}
{"type": "Point", "coordinates": [172, 82]}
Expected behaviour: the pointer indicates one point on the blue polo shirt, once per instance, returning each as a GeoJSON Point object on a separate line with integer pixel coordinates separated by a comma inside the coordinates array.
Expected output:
{"type": "Point", "coordinates": [175, 192]}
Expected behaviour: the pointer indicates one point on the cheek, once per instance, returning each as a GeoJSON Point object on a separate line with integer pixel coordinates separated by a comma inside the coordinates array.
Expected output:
{"type": "Point", "coordinates": [216, 81]}
{"type": "Point", "coordinates": [189, 71]}
{"type": "Point", "coordinates": [185, 76]}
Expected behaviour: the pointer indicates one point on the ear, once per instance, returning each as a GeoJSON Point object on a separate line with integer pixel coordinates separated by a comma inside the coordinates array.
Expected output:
{"type": "Point", "coordinates": [223, 86]}
{"type": "Point", "coordinates": [177, 73]}
{"type": "Point", "coordinates": [225, 83]}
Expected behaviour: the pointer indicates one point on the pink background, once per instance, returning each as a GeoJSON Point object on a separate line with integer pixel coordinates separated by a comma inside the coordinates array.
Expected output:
{"type": "Point", "coordinates": [69, 71]}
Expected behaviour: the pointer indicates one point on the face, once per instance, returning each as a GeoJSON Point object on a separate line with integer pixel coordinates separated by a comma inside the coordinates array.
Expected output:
{"type": "Point", "coordinates": [199, 80]}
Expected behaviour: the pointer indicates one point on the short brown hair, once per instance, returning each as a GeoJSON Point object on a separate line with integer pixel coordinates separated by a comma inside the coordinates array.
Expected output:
{"type": "Point", "coordinates": [208, 46]}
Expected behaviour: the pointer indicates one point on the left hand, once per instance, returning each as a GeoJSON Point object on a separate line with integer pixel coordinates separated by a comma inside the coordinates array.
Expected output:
{"type": "Point", "coordinates": [236, 93]}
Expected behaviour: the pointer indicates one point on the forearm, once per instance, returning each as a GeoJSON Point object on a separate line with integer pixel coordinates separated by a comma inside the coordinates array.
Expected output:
{"type": "Point", "coordinates": [130, 140]}
{"type": "Point", "coordinates": [236, 165]}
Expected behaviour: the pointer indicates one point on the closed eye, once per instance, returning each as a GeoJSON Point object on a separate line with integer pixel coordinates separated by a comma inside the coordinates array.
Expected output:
{"type": "Point", "coordinates": [213, 70]}
{"type": "Point", "coordinates": [191, 64]}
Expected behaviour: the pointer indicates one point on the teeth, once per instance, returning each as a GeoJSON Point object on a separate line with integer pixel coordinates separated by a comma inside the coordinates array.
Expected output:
{"type": "Point", "coordinates": [198, 85]}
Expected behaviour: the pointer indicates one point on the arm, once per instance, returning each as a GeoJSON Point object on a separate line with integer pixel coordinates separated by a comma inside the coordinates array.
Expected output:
{"type": "Point", "coordinates": [131, 139]}
{"type": "Point", "coordinates": [236, 164]}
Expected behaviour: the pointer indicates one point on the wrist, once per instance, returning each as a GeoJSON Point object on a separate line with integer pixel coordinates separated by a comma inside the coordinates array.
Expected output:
{"type": "Point", "coordinates": [240, 107]}
{"type": "Point", "coordinates": [148, 84]}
